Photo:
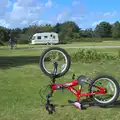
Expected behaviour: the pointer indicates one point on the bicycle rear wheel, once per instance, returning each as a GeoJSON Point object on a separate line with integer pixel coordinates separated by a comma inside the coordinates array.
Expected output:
{"type": "Point", "coordinates": [112, 89]}
{"type": "Point", "coordinates": [51, 55]}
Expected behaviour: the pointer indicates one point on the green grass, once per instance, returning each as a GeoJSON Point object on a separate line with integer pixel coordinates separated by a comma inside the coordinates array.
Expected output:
{"type": "Point", "coordinates": [21, 80]}
{"type": "Point", "coordinates": [21, 52]}
{"type": "Point", "coordinates": [5, 50]}
{"type": "Point", "coordinates": [73, 44]}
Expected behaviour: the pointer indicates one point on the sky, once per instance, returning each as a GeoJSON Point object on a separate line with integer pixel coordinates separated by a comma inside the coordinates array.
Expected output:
{"type": "Point", "coordinates": [86, 13]}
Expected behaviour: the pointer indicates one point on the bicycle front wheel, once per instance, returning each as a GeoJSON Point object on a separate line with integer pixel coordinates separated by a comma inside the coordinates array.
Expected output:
{"type": "Point", "coordinates": [51, 55]}
{"type": "Point", "coordinates": [112, 89]}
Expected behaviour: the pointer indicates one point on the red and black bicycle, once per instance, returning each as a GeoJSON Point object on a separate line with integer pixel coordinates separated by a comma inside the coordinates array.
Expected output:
{"type": "Point", "coordinates": [55, 62]}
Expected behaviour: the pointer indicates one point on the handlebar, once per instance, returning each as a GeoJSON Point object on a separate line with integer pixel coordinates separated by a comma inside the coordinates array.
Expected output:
{"type": "Point", "coordinates": [55, 68]}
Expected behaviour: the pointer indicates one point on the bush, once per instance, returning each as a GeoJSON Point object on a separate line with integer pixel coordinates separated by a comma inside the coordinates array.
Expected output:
{"type": "Point", "coordinates": [23, 39]}
{"type": "Point", "coordinates": [91, 55]}
{"type": "Point", "coordinates": [1, 43]}
{"type": "Point", "coordinates": [82, 39]}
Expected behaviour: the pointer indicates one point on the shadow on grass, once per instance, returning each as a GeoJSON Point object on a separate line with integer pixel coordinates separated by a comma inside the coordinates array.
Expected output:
{"type": "Point", "coordinates": [88, 104]}
{"type": "Point", "coordinates": [14, 61]}
{"type": "Point", "coordinates": [114, 105]}
{"type": "Point", "coordinates": [91, 103]}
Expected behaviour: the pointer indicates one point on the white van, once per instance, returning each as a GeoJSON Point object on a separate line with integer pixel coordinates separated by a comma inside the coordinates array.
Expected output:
{"type": "Point", "coordinates": [45, 38]}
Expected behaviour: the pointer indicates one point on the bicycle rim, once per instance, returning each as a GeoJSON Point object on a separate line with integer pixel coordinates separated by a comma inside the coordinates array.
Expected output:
{"type": "Point", "coordinates": [111, 90]}
{"type": "Point", "coordinates": [54, 56]}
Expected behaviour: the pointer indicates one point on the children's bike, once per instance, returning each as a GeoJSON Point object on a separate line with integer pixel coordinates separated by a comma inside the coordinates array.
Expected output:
{"type": "Point", "coordinates": [55, 62]}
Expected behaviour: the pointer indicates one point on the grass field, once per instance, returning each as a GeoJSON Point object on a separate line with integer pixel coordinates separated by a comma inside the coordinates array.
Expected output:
{"type": "Point", "coordinates": [37, 52]}
{"type": "Point", "coordinates": [74, 44]}
{"type": "Point", "coordinates": [21, 80]}
{"type": "Point", "coordinates": [19, 97]}
{"type": "Point", "coordinates": [23, 51]}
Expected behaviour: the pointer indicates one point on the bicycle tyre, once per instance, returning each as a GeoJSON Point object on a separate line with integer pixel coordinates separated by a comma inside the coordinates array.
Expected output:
{"type": "Point", "coordinates": [60, 50]}
{"type": "Point", "coordinates": [116, 85]}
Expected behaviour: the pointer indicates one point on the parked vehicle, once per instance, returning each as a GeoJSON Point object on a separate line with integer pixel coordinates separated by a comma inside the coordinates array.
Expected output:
{"type": "Point", "coordinates": [45, 38]}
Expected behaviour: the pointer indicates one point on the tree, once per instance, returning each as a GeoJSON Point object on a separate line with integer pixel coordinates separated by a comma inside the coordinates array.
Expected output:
{"type": "Point", "coordinates": [39, 29]}
{"type": "Point", "coordinates": [4, 37]}
{"type": "Point", "coordinates": [23, 39]}
{"type": "Point", "coordinates": [70, 26]}
{"type": "Point", "coordinates": [2, 33]}
{"type": "Point", "coordinates": [116, 30]}
{"type": "Point", "coordinates": [57, 28]}
{"type": "Point", "coordinates": [1, 37]}
{"type": "Point", "coordinates": [24, 30]}
{"type": "Point", "coordinates": [67, 31]}
{"type": "Point", "coordinates": [103, 30]}
{"type": "Point", "coordinates": [87, 33]}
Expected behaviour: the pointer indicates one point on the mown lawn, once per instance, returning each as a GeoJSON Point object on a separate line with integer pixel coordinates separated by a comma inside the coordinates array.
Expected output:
{"type": "Point", "coordinates": [21, 80]}
{"type": "Point", "coordinates": [25, 49]}
{"type": "Point", "coordinates": [73, 44]}
{"type": "Point", "coordinates": [37, 52]}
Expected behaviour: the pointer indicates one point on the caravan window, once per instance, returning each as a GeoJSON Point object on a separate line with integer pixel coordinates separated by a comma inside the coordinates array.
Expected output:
{"type": "Point", "coordinates": [54, 37]}
{"type": "Point", "coordinates": [39, 37]}
{"type": "Point", "coordinates": [46, 36]}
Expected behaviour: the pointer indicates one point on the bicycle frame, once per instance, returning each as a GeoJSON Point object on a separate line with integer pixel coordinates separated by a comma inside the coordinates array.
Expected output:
{"type": "Point", "coordinates": [70, 86]}
{"type": "Point", "coordinates": [78, 93]}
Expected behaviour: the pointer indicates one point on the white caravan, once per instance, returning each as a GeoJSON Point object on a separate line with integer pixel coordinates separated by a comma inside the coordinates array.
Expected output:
{"type": "Point", "coordinates": [45, 38]}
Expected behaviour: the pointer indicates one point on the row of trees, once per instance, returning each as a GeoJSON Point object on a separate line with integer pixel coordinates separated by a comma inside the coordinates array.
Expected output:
{"type": "Point", "coordinates": [68, 31]}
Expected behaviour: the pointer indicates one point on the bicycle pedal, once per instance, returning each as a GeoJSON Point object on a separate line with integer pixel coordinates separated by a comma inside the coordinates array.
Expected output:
{"type": "Point", "coordinates": [77, 104]}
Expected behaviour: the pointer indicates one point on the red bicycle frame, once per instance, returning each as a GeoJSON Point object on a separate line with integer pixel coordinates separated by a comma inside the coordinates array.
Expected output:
{"type": "Point", "coordinates": [78, 93]}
